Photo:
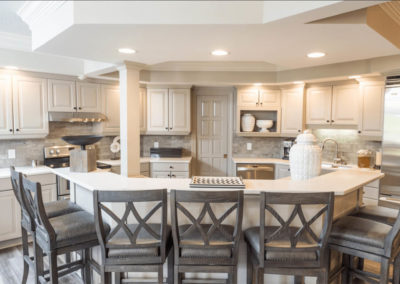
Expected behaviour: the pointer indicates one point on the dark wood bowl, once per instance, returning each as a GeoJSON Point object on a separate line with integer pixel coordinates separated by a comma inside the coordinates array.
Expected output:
{"type": "Point", "coordinates": [82, 140]}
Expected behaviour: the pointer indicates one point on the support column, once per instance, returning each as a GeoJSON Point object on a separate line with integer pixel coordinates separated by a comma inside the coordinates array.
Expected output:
{"type": "Point", "coordinates": [129, 119]}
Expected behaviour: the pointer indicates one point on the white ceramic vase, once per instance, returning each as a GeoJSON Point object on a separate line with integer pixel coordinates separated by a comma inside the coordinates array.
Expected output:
{"type": "Point", "coordinates": [305, 157]}
{"type": "Point", "coordinates": [248, 122]}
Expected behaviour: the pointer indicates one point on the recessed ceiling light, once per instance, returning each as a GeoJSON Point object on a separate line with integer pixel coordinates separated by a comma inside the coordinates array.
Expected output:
{"type": "Point", "coordinates": [11, 67]}
{"type": "Point", "coordinates": [298, 82]}
{"type": "Point", "coordinates": [219, 52]}
{"type": "Point", "coordinates": [316, 54]}
{"type": "Point", "coordinates": [126, 50]}
{"type": "Point", "coordinates": [354, 77]}
{"type": "Point", "coordinates": [257, 84]}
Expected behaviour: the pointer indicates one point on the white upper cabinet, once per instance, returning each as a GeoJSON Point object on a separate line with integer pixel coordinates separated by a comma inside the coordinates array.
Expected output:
{"type": "Point", "coordinates": [168, 111]}
{"type": "Point", "coordinates": [88, 97]}
{"type": "Point", "coordinates": [345, 105]}
{"type": "Point", "coordinates": [292, 111]}
{"type": "Point", "coordinates": [143, 110]}
{"type": "Point", "coordinates": [254, 98]}
{"type": "Point", "coordinates": [110, 97]}
{"type": "Point", "coordinates": [371, 105]}
{"type": "Point", "coordinates": [6, 116]}
{"type": "Point", "coordinates": [30, 106]}
{"type": "Point", "coordinates": [179, 110]}
{"type": "Point", "coordinates": [61, 95]}
{"type": "Point", "coordinates": [318, 110]}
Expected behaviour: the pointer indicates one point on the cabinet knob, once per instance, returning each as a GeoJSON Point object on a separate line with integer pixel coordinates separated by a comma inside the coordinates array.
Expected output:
{"type": "Point", "coordinates": [327, 121]}
{"type": "Point", "coordinates": [171, 167]}
{"type": "Point", "coordinates": [359, 131]}
{"type": "Point", "coordinates": [173, 175]}
{"type": "Point", "coordinates": [170, 128]}
{"type": "Point", "coordinates": [256, 104]}
{"type": "Point", "coordinates": [166, 128]}
{"type": "Point", "coordinates": [261, 103]}
{"type": "Point", "coordinates": [169, 175]}
{"type": "Point", "coordinates": [17, 129]}
{"type": "Point", "coordinates": [299, 130]}
{"type": "Point", "coordinates": [79, 108]}
{"type": "Point", "coordinates": [332, 121]}
{"type": "Point", "coordinates": [10, 130]}
{"type": "Point", "coordinates": [75, 108]}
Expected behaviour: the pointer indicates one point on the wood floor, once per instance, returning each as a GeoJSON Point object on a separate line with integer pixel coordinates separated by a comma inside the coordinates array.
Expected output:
{"type": "Point", "coordinates": [11, 268]}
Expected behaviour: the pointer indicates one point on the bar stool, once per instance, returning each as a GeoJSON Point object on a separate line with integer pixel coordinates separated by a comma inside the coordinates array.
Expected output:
{"type": "Point", "coordinates": [378, 213]}
{"type": "Point", "coordinates": [363, 238]}
{"type": "Point", "coordinates": [288, 249]}
{"type": "Point", "coordinates": [53, 209]}
{"type": "Point", "coordinates": [202, 246]}
{"type": "Point", "coordinates": [133, 245]}
{"type": "Point", "coordinates": [58, 235]}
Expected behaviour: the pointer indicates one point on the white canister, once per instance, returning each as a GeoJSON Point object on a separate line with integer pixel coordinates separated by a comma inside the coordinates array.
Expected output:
{"type": "Point", "coordinates": [305, 157]}
{"type": "Point", "coordinates": [248, 122]}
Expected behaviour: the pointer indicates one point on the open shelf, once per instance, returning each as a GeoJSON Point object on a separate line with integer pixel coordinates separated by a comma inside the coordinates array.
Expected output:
{"type": "Point", "coordinates": [265, 114]}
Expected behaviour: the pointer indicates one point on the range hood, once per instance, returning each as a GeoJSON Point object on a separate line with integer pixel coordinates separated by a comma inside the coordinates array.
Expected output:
{"type": "Point", "coordinates": [84, 117]}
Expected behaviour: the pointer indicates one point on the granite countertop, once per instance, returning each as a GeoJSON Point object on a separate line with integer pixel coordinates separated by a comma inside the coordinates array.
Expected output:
{"type": "Point", "coordinates": [149, 160]}
{"type": "Point", "coordinates": [39, 170]}
{"type": "Point", "coordinates": [340, 182]}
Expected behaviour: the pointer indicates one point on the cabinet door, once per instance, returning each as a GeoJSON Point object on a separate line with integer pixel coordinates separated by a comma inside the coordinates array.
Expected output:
{"type": "Point", "coordinates": [372, 100]}
{"type": "Point", "coordinates": [248, 97]}
{"type": "Point", "coordinates": [270, 98]}
{"type": "Point", "coordinates": [30, 106]}
{"type": "Point", "coordinates": [143, 110]}
{"type": "Point", "coordinates": [161, 174]}
{"type": "Point", "coordinates": [318, 110]}
{"type": "Point", "coordinates": [282, 171]}
{"type": "Point", "coordinates": [49, 193]}
{"type": "Point", "coordinates": [10, 226]}
{"type": "Point", "coordinates": [6, 116]}
{"type": "Point", "coordinates": [179, 110]}
{"type": "Point", "coordinates": [111, 97]}
{"type": "Point", "coordinates": [88, 97]}
{"type": "Point", "coordinates": [345, 102]}
{"type": "Point", "coordinates": [292, 111]}
{"type": "Point", "coordinates": [157, 110]}
{"type": "Point", "coordinates": [61, 95]}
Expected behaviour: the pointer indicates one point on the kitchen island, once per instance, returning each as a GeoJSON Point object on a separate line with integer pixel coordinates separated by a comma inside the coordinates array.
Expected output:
{"type": "Point", "coordinates": [347, 186]}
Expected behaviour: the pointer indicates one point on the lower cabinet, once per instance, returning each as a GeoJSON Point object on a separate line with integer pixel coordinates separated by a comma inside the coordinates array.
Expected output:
{"type": "Point", "coordinates": [282, 171]}
{"type": "Point", "coordinates": [371, 193]}
{"type": "Point", "coordinates": [170, 170]}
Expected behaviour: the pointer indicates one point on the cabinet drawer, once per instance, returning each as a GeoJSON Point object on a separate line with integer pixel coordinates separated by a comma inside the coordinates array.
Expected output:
{"type": "Point", "coordinates": [179, 167]}
{"type": "Point", "coordinates": [179, 174]}
{"type": "Point", "coordinates": [369, 201]}
{"type": "Point", "coordinates": [371, 192]}
{"type": "Point", "coordinates": [43, 179]}
{"type": "Point", "coordinates": [160, 174]}
{"type": "Point", "coordinates": [374, 184]}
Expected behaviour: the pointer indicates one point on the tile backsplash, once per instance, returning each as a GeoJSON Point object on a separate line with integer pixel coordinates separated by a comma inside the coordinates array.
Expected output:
{"type": "Point", "coordinates": [169, 141]}
{"type": "Point", "coordinates": [262, 147]}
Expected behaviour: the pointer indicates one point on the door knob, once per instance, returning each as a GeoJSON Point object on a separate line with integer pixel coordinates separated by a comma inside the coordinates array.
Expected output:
{"type": "Point", "coordinates": [225, 156]}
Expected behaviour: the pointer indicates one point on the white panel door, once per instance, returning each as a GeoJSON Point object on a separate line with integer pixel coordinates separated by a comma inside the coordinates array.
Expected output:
{"type": "Point", "coordinates": [111, 97]}
{"type": "Point", "coordinates": [372, 98]}
{"type": "Point", "coordinates": [10, 224]}
{"type": "Point", "coordinates": [61, 95]}
{"type": "Point", "coordinates": [248, 97]}
{"type": "Point", "coordinates": [6, 115]}
{"type": "Point", "coordinates": [88, 97]}
{"type": "Point", "coordinates": [292, 111]}
{"type": "Point", "coordinates": [157, 110]}
{"type": "Point", "coordinates": [212, 135]}
{"type": "Point", "coordinates": [345, 100]}
{"type": "Point", "coordinates": [30, 106]}
{"type": "Point", "coordinates": [179, 110]}
{"type": "Point", "coordinates": [319, 102]}
{"type": "Point", "coordinates": [269, 98]}
{"type": "Point", "coordinates": [143, 109]}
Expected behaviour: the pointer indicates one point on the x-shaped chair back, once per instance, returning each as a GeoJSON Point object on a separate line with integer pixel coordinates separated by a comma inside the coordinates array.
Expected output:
{"type": "Point", "coordinates": [293, 232]}
{"type": "Point", "coordinates": [129, 198]}
{"type": "Point", "coordinates": [206, 198]}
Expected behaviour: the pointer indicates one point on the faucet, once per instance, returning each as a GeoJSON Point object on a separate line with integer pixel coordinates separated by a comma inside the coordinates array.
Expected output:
{"type": "Point", "coordinates": [338, 160]}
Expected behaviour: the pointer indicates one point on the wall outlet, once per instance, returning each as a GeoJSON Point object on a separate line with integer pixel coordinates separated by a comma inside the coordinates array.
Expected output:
{"type": "Point", "coordinates": [249, 146]}
{"type": "Point", "coordinates": [11, 153]}
{"type": "Point", "coordinates": [156, 145]}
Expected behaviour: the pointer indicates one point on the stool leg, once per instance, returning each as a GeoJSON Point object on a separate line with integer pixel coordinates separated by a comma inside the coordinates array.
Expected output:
{"type": "Point", "coordinates": [298, 279]}
{"type": "Point", "coordinates": [105, 277]}
{"type": "Point", "coordinates": [160, 274]}
{"type": "Point", "coordinates": [25, 253]}
{"type": "Point", "coordinates": [38, 256]}
{"type": "Point", "coordinates": [385, 264]}
{"type": "Point", "coordinates": [345, 273]}
{"type": "Point", "coordinates": [396, 270]}
{"type": "Point", "coordinates": [323, 277]}
{"type": "Point", "coordinates": [259, 275]}
{"type": "Point", "coordinates": [117, 277]}
{"type": "Point", "coordinates": [171, 267]}
{"type": "Point", "coordinates": [232, 276]}
{"type": "Point", "coordinates": [249, 267]}
{"type": "Point", "coordinates": [86, 277]}
{"type": "Point", "coordinates": [177, 275]}
{"type": "Point", "coordinates": [53, 267]}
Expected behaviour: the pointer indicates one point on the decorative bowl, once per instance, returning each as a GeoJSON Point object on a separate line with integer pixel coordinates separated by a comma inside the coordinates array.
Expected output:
{"type": "Point", "coordinates": [82, 140]}
{"type": "Point", "coordinates": [264, 125]}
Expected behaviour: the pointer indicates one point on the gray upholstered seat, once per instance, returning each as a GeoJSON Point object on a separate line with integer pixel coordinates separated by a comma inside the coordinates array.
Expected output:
{"type": "Point", "coordinates": [360, 230]}
{"type": "Point", "coordinates": [193, 238]}
{"type": "Point", "coordinates": [378, 213]}
{"type": "Point", "coordinates": [62, 207]}
{"type": "Point", "coordinates": [144, 237]}
{"type": "Point", "coordinates": [252, 236]}
{"type": "Point", "coordinates": [72, 229]}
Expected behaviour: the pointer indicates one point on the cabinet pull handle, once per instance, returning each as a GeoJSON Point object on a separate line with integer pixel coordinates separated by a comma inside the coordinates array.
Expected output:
{"type": "Point", "coordinates": [261, 103]}
{"type": "Point", "coordinates": [17, 129]}
{"type": "Point", "coordinates": [359, 131]}
{"type": "Point", "coordinates": [170, 128]}
{"type": "Point", "coordinates": [299, 130]}
{"type": "Point", "coordinates": [75, 108]}
{"type": "Point", "coordinates": [80, 108]}
{"type": "Point", "coordinates": [332, 121]}
{"type": "Point", "coordinates": [169, 175]}
{"type": "Point", "coordinates": [173, 175]}
{"type": "Point", "coordinates": [171, 167]}
{"type": "Point", "coordinates": [166, 128]}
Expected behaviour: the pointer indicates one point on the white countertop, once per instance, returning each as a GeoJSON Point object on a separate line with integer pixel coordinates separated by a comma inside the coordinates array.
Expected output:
{"type": "Point", "coordinates": [340, 182]}
{"type": "Point", "coordinates": [39, 170]}
{"type": "Point", "coordinates": [149, 160]}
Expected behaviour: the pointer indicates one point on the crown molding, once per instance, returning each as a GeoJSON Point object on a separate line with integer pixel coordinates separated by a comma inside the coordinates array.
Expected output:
{"type": "Point", "coordinates": [33, 11]}
{"type": "Point", "coordinates": [15, 41]}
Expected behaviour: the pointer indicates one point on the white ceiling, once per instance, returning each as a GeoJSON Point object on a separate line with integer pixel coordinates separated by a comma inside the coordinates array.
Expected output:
{"type": "Point", "coordinates": [10, 22]}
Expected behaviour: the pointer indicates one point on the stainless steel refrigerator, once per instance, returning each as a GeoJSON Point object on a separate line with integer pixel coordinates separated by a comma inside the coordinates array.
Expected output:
{"type": "Point", "coordinates": [390, 184]}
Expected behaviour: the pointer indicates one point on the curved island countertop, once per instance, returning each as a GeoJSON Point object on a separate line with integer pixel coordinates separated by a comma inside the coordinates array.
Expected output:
{"type": "Point", "coordinates": [340, 182]}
